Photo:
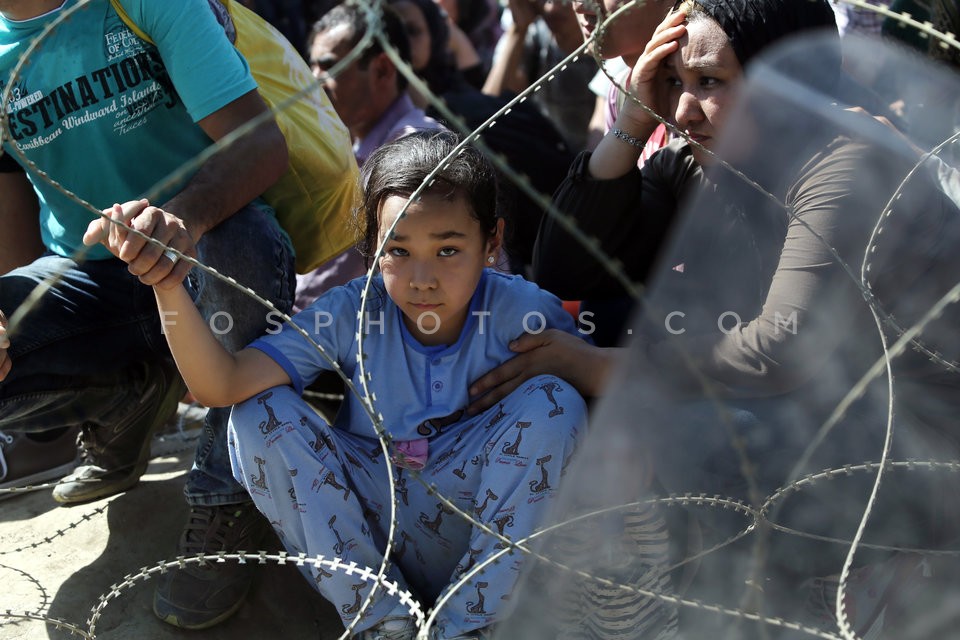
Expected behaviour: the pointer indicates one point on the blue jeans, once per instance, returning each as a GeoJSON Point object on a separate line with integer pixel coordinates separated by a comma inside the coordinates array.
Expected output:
{"type": "Point", "coordinates": [74, 352]}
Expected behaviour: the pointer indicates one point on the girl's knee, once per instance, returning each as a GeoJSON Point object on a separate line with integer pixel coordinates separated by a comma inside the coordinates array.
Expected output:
{"type": "Point", "coordinates": [260, 414]}
{"type": "Point", "coordinates": [547, 409]}
{"type": "Point", "coordinates": [558, 397]}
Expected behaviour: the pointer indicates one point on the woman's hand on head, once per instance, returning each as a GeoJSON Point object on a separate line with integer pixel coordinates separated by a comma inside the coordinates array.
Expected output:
{"type": "Point", "coordinates": [551, 352]}
{"type": "Point", "coordinates": [646, 81]}
{"type": "Point", "coordinates": [612, 158]}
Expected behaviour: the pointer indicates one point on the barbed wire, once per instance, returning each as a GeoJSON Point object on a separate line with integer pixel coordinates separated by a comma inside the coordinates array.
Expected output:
{"type": "Point", "coordinates": [906, 338]}
{"type": "Point", "coordinates": [44, 596]}
{"type": "Point", "coordinates": [60, 625]}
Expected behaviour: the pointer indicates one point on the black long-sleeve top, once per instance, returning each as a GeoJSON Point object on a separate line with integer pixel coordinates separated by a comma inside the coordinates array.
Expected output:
{"type": "Point", "coordinates": [784, 277]}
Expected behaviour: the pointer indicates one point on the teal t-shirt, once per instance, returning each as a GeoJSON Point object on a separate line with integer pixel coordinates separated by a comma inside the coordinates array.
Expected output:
{"type": "Point", "coordinates": [109, 116]}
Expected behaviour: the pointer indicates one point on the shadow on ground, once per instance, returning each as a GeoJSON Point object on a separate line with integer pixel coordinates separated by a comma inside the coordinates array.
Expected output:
{"type": "Point", "coordinates": [68, 557]}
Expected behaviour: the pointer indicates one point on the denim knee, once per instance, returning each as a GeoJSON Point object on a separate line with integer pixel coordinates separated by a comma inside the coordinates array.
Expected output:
{"type": "Point", "coordinates": [234, 315]}
{"type": "Point", "coordinates": [251, 248]}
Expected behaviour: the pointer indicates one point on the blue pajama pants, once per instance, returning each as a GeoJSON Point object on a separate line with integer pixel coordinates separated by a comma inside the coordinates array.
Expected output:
{"type": "Point", "coordinates": [325, 491]}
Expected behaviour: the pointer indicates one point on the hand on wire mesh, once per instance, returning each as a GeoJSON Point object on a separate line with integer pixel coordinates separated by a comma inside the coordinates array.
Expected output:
{"type": "Point", "coordinates": [153, 264]}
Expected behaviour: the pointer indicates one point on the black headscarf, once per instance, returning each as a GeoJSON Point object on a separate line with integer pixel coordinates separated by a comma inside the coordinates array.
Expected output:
{"type": "Point", "coordinates": [752, 25]}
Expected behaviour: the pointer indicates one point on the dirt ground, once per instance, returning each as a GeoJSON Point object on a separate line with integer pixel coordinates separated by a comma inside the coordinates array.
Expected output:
{"type": "Point", "coordinates": [57, 562]}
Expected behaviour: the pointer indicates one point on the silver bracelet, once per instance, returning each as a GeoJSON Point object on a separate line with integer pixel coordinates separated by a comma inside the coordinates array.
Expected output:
{"type": "Point", "coordinates": [629, 139]}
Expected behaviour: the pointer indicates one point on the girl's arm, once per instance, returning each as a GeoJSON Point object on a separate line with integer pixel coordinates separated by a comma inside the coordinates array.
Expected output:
{"type": "Point", "coordinates": [216, 377]}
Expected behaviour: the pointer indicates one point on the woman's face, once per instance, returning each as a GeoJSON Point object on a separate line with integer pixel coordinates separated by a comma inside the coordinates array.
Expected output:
{"type": "Point", "coordinates": [415, 24]}
{"type": "Point", "coordinates": [702, 77]}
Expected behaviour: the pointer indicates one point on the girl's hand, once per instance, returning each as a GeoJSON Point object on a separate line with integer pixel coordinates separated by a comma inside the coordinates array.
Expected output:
{"type": "Point", "coordinates": [646, 82]}
{"type": "Point", "coordinates": [147, 261]}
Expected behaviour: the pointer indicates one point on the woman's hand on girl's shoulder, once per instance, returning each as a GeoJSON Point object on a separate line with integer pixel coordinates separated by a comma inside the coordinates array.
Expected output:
{"type": "Point", "coordinates": [551, 352]}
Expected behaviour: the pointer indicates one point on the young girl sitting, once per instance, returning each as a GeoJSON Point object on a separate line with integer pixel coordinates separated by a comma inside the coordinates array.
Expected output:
{"type": "Point", "coordinates": [445, 320]}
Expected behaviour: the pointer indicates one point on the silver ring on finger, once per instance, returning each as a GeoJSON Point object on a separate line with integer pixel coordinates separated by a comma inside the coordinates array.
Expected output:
{"type": "Point", "coordinates": [171, 256]}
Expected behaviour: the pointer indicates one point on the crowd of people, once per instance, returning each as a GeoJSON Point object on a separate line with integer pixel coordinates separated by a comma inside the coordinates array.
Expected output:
{"type": "Point", "coordinates": [746, 225]}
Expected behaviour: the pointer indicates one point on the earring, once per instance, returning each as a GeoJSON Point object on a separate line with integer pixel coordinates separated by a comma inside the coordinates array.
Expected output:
{"type": "Point", "coordinates": [489, 259]}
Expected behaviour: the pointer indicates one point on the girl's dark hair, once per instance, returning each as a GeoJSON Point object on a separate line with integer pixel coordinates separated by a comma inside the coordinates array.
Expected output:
{"type": "Point", "coordinates": [398, 168]}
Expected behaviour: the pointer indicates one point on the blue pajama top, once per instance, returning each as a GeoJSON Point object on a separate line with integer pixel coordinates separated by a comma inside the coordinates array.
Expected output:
{"type": "Point", "coordinates": [412, 384]}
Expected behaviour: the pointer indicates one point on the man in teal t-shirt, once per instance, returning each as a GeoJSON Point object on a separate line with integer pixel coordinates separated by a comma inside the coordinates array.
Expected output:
{"type": "Point", "coordinates": [112, 118]}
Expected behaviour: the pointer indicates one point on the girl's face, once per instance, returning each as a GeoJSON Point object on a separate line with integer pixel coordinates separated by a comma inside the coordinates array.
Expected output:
{"type": "Point", "coordinates": [702, 77]}
{"type": "Point", "coordinates": [433, 263]}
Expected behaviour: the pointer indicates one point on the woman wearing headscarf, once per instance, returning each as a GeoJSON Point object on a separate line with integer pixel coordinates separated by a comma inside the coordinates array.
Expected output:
{"type": "Point", "coordinates": [830, 170]}
{"type": "Point", "coordinates": [631, 211]}
{"type": "Point", "coordinates": [767, 302]}
{"type": "Point", "coordinates": [812, 160]}
{"type": "Point", "coordinates": [746, 28]}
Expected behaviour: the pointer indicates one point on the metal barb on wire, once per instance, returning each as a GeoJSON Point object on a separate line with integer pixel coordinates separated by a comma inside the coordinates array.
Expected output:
{"type": "Point", "coordinates": [906, 338]}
